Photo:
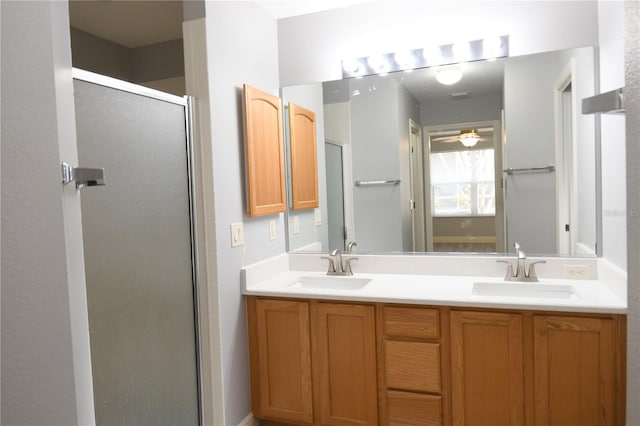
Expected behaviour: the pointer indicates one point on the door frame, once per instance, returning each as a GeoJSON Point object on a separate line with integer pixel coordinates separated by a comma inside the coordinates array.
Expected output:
{"type": "Point", "coordinates": [416, 187]}
{"type": "Point", "coordinates": [566, 204]}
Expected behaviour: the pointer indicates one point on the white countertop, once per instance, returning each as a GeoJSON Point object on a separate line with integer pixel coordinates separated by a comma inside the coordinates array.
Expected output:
{"type": "Point", "coordinates": [593, 296]}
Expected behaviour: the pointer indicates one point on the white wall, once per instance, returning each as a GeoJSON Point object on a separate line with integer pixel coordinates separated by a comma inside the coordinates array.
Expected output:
{"type": "Point", "coordinates": [374, 143]}
{"type": "Point", "coordinates": [481, 108]}
{"type": "Point", "coordinates": [632, 107]}
{"type": "Point", "coordinates": [312, 46]}
{"type": "Point", "coordinates": [611, 42]}
{"type": "Point", "coordinates": [46, 372]}
{"type": "Point", "coordinates": [242, 48]}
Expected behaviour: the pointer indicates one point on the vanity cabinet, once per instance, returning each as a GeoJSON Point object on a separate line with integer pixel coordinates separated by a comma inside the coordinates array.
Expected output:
{"type": "Point", "coordinates": [411, 362]}
{"type": "Point", "coordinates": [487, 368]}
{"type": "Point", "coordinates": [575, 372]}
{"type": "Point", "coordinates": [344, 364]}
{"type": "Point", "coordinates": [280, 357]}
{"type": "Point", "coordinates": [332, 363]}
{"type": "Point", "coordinates": [312, 362]}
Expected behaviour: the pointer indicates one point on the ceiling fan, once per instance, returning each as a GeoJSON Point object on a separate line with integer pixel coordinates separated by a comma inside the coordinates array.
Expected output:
{"type": "Point", "coordinates": [468, 137]}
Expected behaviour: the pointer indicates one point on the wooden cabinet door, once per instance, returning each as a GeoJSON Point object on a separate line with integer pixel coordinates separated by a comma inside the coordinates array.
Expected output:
{"type": "Point", "coordinates": [264, 152]}
{"type": "Point", "coordinates": [344, 352]}
{"type": "Point", "coordinates": [280, 348]}
{"type": "Point", "coordinates": [574, 371]}
{"type": "Point", "coordinates": [304, 163]}
{"type": "Point", "coordinates": [487, 369]}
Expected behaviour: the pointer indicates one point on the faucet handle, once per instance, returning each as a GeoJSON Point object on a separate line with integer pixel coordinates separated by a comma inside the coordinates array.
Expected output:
{"type": "Point", "coordinates": [332, 266]}
{"type": "Point", "coordinates": [531, 274]}
{"type": "Point", "coordinates": [509, 276]}
{"type": "Point", "coordinates": [347, 265]}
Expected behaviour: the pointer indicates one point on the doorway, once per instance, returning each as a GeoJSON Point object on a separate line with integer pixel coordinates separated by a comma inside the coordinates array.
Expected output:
{"type": "Point", "coordinates": [463, 187]}
{"type": "Point", "coordinates": [139, 252]}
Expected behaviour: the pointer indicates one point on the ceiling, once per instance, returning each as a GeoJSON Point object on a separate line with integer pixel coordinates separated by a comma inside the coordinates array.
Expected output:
{"type": "Point", "coordinates": [128, 23]}
{"type": "Point", "coordinates": [135, 23]}
{"type": "Point", "coordinates": [481, 78]}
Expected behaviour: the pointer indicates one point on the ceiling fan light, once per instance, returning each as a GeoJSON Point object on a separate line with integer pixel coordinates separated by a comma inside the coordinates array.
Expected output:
{"type": "Point", "coordinates": [449, 76]}
{"type": "Point", "coordinates": [469, 138]}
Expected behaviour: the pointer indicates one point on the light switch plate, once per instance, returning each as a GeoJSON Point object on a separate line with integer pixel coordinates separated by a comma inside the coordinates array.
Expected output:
{"type": "Point", "coordinates": [296, 225]}
{"type": "Point", "coordinates": [237, 234]}
{"type": "Point", "coordinates": [272, 230]}
{"type": "Point", "coordinates": [318, 217]}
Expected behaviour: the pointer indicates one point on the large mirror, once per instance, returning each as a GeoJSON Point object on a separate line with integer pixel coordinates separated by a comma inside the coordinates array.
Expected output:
{"type": "Point", "coordinates": [408, 164]}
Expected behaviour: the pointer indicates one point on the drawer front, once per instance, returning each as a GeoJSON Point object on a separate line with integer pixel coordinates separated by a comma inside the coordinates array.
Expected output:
{"type": "Point", "coordinates": [412, 366]}
{"type": "Point", "coordinates": [415, 323]}
{"type": "Point", "coordinates": [413, 409]}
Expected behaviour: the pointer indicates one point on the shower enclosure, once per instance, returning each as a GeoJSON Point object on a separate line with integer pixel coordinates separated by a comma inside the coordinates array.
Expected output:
{"type": "Point", "coordinates": [138, 250]}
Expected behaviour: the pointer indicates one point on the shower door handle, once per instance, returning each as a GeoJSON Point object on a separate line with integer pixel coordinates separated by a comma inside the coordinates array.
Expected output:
{"type": "Point", "coordinates": [82, 176]}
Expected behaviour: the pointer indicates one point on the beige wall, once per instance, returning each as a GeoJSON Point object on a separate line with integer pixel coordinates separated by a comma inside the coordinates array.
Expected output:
{"type": "Point", "coordinates": [159, 66]}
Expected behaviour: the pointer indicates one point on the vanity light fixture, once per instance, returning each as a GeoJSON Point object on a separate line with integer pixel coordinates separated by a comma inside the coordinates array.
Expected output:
{"type": "Point", "coordinates": [378, 63]}
{"type": "Point", "coordinates": [462, 51]}
{"type": "Point", "coordinates": [405, 59]}
{"type": "Point", "coordinates": [492, 46]}
{"type": "Point", "coordinates": [469, 138]}
{"type": "Point", "coordinates": [437, 55]}
{"type": "Point", "coordinates": [449, 76]}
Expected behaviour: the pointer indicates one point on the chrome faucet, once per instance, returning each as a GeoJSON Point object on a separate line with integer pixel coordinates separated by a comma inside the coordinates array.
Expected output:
{"type": "Point", "coordinates": [350, 246]}
{"type": "Point", "coordinates": [336, 265]}
{"type": "Point", "coordinates": [521, 273]}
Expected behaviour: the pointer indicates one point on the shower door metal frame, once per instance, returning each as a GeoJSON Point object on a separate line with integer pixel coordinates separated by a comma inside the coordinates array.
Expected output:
{"type": "Point", "coordinates": [187, 102]}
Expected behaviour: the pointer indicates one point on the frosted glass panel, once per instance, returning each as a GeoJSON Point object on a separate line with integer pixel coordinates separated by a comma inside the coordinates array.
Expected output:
{"type": "Point", "coordinates": [137, 247]}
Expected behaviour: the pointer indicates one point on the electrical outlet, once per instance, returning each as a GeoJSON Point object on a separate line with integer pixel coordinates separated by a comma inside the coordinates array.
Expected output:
{"type": "Point", "coordinates": [296, 225]}
{"type": "Point", "coordinates": [577, 272]}
{"type": "Point", "coordinates": [317, 217]}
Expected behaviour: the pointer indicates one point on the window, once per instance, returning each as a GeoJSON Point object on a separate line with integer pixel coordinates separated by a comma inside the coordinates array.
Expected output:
{"type": "Point", "coordinates": [463, 183]}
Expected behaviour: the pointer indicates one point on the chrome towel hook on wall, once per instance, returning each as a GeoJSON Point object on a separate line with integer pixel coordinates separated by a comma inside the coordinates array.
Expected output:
{"type": "Point", "coordinates": [82, 176]}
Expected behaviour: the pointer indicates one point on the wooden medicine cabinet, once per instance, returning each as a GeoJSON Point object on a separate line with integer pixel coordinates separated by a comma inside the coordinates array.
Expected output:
{"type": "Point", "coordinates": [264, 152]}
{"type": "Point", "coordinates": [304, 164]}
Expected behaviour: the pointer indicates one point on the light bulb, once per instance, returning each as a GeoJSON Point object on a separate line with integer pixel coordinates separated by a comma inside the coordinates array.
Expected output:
{"type": "Point", "coordinates": [449, 76]}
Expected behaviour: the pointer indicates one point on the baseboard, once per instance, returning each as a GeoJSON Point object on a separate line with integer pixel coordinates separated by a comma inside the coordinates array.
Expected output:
{"type": "Point", "coordinates": [249, 421]}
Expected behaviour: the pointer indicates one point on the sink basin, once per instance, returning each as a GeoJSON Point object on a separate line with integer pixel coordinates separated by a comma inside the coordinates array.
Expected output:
{"type": "Point", "coordinates": [518, 289]}
{"type": "Point", "coordinates": [331, 283]}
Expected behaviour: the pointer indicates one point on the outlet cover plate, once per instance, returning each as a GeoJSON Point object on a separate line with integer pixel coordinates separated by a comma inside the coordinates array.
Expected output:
{"type": "Point", "coordinates": [576, 272]}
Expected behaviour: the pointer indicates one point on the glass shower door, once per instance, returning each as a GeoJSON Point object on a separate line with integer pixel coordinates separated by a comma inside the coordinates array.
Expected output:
{"type": "Point", "coordinates": [138, 254]}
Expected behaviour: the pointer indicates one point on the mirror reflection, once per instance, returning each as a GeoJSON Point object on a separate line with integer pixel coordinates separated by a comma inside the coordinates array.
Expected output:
{"type": "Point", "coordinates": [411, 164]}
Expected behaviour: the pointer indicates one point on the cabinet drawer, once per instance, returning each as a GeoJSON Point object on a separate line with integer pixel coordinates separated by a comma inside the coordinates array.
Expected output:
{"type": "Point", "coordinates": [418, 323]}
{"type": "Point", "coordinates": [406, 408]}
{"type": "Point", "coordinates": [412, 366]}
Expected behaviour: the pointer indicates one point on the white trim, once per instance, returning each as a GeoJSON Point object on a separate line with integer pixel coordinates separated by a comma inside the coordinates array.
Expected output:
{"type": "Point", "coordinates": [565, 78]}
{"type": "Point", "coordinates": [249, 421]}
{"type": "Point", "coordinates": [465, 240]}
{"type": "Point", "coordinates": [196, 79]}
{"type": "Point", "coordinates": [103, 80]}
